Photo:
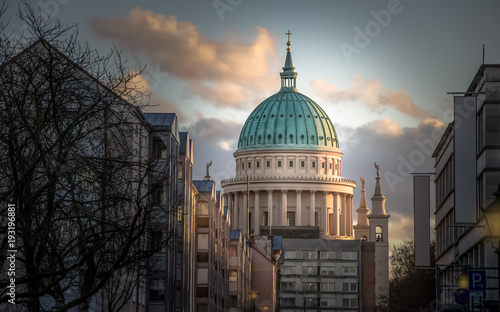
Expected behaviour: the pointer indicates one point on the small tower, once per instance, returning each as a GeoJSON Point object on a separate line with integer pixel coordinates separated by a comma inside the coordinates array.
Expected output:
{"type": "Point", "coordinates": [379, 234]}
{"type": "Point", "coordinates": [378, 219]}
{"type": "Point", "coordinates": [362, 229]}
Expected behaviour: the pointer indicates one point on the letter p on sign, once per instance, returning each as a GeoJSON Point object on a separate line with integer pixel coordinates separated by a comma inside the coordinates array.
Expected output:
{"type": "Point", "coordinates": [477, 280]}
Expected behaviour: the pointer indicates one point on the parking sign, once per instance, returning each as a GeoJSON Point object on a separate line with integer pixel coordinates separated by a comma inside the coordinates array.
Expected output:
{"type": "Point", "coordinates": [477, 280]}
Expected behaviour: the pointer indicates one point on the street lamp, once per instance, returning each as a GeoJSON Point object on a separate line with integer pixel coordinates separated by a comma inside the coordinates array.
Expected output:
{"type": "Point", "coordinates": [254, 294]}
{"type": "Point", "coordinates": [492, 217]}
{"type": "Point", "coordinates": [463, 280]}
{"type": "Point", "coordinates": [266, 307]}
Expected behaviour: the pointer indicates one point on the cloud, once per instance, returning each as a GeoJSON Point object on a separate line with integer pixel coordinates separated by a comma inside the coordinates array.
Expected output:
{"type": "Point", "coordinates": [231, 69]}
{"type": "Point", "coordinates": [400, 151]}
{"type": "Point", "coordinates": [385, 127]}
{"type": "Point", "coordinates": [215, 140]}
{"type": "Point", "coordinates": [372, 94]}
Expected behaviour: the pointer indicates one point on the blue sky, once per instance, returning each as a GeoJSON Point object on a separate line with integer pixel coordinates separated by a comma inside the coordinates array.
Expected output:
{"type": "Point", "coordinates": [212, 62]}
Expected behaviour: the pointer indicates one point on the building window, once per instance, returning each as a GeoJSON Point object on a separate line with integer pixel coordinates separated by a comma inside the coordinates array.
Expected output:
{"type": "Point", "coordinates": [279, 163]}
{"type": "Point", "coordinates": [309, 255]}
{"type": "Point", "coordinates": [268, 164]}
{"type": "Point", "coordinates": [328, 286]}
{"type": "Point", "coordinates": [313, 164]}
{"type": "Point", "coordinates": [203, 223]}
{"type": "Point", "coordinates": [203, 241]}
{"type": "Point", "coordinates": [157, 289]}
{"type": "Point", "coordinates": [233, 251]}
{"type": "Point", "coordinates": [310, 270]}
{"type": "Point", "coordinates": [202, 277]}
{"type": "Point", "coordinates": [328, 302]}
{"type": "Point", "coordinates": [287, 286]}
{"type": "Point", "coordinates": [202, 292]}
{"type": "Point", "coordinates": [349, 287]}
{"type": "Point", "coordinates": [323, 165]}
{"type": "Point", "coordinates": [327, 271]}
{"type": "Point", "coordinates": [203, 208]}
{"type": "Point", "coordinates": [311, 302]}
{"type": "Point", "coordinates": [330, 166]}
{"type": "Point", "coordinates": [265, 218]}
{"type": "Point", "coordinates": [349, 270]}
{"type": "Point", "coordinates": [302, 164]}
{"type": "Point", "coordinates": [202, 256]}
{"type": "Point", "coordinates": [290, 218]}
{"type": "Point", "coordinates": [287, 302]}
{"type": "Point", "coordinates": [379, 235]}
{"type": "Point", "coordinates": [233, 302]}
{"type": "Point", "coordinates": [350, 302]}
{"type": "Point", "coordinates": [290, 254]}
{"type": "Point", "coordinates": [179, 212]}
{"type": "Point", "coordinates": [158, 240]}
{"type": "Point", "coordinates": [316, 219]}
{"type": "Point", "coordinates": [258, 164]}
{"type": "Point", "coordinates": [327, 254]}
{"type": "Point", "coordinates": [202, 307]}
{"type": "Point", "coordinates": [349, 255]}
{"type": "Point", "coordinates": [291, 164]}
{"type": "Point", "coordinates": [309, 286]}
{"type": "Point", "coordinates": [242, 166]}
{"type": "Point", "coordinates": [249, 165]}
{"type": "Point", "coordinates": [180, 170]}
{"type": "Point", "coordinates": [233, 275]}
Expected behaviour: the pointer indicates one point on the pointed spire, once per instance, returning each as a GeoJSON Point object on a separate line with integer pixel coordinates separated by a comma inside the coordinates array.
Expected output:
{"type": "Point", "coordinates": [288, 76]}
{"type": "Point", "coordinates": [363, 207]}
{"type": "Point", "coordinates": [378, 199]}
{"type": "Point", "coordinates": [378, 185]}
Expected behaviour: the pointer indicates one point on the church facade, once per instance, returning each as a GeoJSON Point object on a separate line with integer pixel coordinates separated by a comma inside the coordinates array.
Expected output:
{"type": "Point", "coordinates": [289, 180]}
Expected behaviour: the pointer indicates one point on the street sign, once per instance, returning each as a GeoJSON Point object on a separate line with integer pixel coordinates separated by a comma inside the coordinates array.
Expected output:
{"type": "Point", "coordinates": [477, 280]}
{"type": "Point", "coordinates": [461, 296]}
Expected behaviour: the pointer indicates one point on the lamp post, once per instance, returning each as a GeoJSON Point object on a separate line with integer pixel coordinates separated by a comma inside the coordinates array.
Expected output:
{"type": "Point", "coordinates": [492, 217]}
{"type": "Point", "coordinates": [266, 307]}
{"type": "Point", "coordinates": [254, 294]}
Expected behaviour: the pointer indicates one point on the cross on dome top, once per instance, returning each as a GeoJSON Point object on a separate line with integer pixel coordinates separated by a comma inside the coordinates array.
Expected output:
{"type": "Point", "coordinates": [288, 43]}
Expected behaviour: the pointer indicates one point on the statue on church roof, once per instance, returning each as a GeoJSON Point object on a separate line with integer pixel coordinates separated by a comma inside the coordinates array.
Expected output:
{"type": "Point", "coordinates": [377, 166]}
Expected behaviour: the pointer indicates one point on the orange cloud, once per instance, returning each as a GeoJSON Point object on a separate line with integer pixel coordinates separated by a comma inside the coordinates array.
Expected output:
{"type": "Point", "coordinates": [385, 127]}
{"type": "Point", "coordinates": [179, 48]}
{"type": "Point", "coordinates": [372, 94]}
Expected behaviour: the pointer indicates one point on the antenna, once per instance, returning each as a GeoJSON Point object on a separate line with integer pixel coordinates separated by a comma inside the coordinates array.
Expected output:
{"type": "Point", "coordinates": [483, 54]}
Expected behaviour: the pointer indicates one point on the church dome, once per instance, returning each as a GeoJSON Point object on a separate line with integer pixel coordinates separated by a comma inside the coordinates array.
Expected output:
{"type": "Point", "coordinates": [288, 120]}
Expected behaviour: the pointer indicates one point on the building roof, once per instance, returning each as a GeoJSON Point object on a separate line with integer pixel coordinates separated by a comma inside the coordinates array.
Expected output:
{"type": "Point", "coordinates": [161, 121]}
{"type": "Point", "coordinates": [204, 186]}
{"type": "Point", "coordinates": [184, 136]}
{"type": "Point", "coordinates": [234, 234]}
{"type": "Point", "coordinates": [288, 120]}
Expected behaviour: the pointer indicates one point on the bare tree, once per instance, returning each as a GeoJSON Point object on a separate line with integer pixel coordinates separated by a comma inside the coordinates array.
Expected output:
{"type": "Point", "coordinates": [75, 161]}
{"type": "Point", "coordinates": [405, 276]}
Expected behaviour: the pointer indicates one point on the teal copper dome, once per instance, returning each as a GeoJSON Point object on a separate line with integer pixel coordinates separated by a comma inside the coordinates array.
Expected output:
{"type": "Point", "coordinates": [288, 120]}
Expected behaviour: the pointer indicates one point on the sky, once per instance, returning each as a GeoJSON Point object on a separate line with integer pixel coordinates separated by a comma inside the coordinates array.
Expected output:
{"type": "Point", "coordinates": [380, 69]}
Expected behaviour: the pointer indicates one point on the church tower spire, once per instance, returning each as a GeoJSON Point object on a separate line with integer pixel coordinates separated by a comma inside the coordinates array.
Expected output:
{"type": "Point", "coordinates": [379, 235]}
{"type": "Point", "coordinates": [379, 219]}
{"type": "Point", "coordinates": [362, 229]}
{"type": "Point", "coordinates": [288, 76]}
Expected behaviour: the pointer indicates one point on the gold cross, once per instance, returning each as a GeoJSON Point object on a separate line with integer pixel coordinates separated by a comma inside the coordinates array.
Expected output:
{"type": "Point", "coordinates": [288, 43]}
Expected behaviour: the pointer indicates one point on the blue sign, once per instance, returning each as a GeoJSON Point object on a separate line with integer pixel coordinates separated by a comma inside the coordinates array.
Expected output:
{"type": "Point", "coordinates": [477, 280]}
{"type": "Point", "coordinates": [461, 296]}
